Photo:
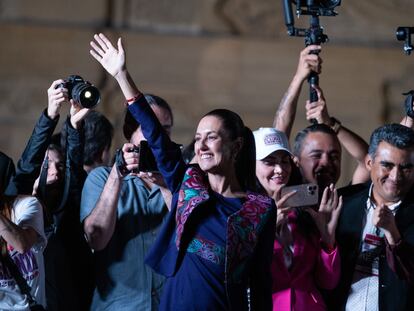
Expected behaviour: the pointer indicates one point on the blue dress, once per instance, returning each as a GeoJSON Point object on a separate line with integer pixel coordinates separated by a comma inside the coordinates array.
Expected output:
{"type": "Point", "coordinates": [201, 272]}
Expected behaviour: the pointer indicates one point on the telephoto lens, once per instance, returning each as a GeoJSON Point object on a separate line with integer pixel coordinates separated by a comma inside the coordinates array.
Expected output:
{"type": "Point", "coordinates": [81, 91]}
{"type": "Point", "coordinates": [86, 95]}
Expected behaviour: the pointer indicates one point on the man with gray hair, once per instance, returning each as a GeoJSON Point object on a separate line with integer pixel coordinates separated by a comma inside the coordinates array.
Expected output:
{"type": "Point", "coordinates": [375, 232]}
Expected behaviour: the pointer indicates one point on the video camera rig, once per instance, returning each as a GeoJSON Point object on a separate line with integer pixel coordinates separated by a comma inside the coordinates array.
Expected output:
{"type": "Point", "coordinates": [314, 34]}
{"type": "Point", "coordinates": [404, 34]}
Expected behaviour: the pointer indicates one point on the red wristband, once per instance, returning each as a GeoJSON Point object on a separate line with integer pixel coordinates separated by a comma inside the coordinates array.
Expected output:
{"type": "Point", "coordinates": [133, 99]}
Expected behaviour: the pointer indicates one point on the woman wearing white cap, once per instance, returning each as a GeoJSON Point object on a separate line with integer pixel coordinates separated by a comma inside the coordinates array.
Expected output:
{"type": "Point", "coordinates": [304, 255]}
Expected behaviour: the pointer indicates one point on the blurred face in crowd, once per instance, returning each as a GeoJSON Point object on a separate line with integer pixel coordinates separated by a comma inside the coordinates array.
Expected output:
{"type": "Point", "coordinates": [320, 159]}
{"type": "Point", "coordinates": [392, 173]}
{"type": "Point", "coordinates": [215, 152]}
{"type": "Point", "coordinates": [165, 119]}
{"type": "Point", "coordinates": [274, 171]}
{"type": "Point", "coordinates": [56, 167]}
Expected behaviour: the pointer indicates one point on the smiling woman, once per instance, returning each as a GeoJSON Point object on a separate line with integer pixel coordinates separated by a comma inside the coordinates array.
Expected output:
{"type": "Point", "coordinates": [223, 145]}
{"type": "Point", "coordinates": [304, 256]}
{"type": "Point", "coordinates": [216, 246]}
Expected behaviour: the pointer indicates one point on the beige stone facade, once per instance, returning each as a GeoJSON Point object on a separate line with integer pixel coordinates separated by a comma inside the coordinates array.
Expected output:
{"type": "Point", "coordinates": [201, 55]}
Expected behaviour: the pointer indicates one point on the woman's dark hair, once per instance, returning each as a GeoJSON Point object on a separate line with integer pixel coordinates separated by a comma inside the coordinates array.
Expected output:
{"type": "Point", "coordinates": [131, 125]}
{"type": "Point", "coordinates": [245, 165]}
{"type": "Point", "coordinates": [7, 172]}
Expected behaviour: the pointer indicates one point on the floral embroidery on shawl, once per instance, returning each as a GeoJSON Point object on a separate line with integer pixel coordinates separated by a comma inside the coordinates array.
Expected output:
{"type": "Point", "coordinates": [243, 227]}
{"type": "Point", "coordinates": [243, 231]}
{"type": "Point", "coordinates": [194, 190]}
{"type": "Point", "coordinates": [207, 249]}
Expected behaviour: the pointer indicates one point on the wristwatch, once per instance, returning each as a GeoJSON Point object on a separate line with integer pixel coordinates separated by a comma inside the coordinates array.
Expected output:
{"type": "Point", "coordinates": [335, 125]}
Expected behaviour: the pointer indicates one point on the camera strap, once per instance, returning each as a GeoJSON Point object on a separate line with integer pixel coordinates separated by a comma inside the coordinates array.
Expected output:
{"type": "Point", "coordinates": [120, 163]}
{"type": "Point", "coordinates": [58, 213]}
{"type": "Point", "coordinates": [53, 216]}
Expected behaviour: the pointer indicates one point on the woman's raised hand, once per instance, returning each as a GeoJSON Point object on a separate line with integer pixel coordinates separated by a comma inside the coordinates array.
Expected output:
{"type": "Point", "coordinates": [112, 59]}
{"type": "Point", "coordinates": [282, 210]}
{"type": "Point", "coordinates": [326, 218]}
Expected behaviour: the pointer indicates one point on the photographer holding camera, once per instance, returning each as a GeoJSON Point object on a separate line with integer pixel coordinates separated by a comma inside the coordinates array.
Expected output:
{"type": "Point", "coordinates": [122, 210]}
{"type": "Point", "coordinates": [57, 182]}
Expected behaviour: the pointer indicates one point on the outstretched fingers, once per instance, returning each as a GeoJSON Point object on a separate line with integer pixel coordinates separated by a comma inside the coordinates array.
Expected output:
{"type": "Point", "coordinates": [325, 196]}
{"type": "Point", "coordinates": [103, 41]}
{"type": "Point", "coordinates": [96, 50]}
{"type": "Point", "coordinates": [120, 46]}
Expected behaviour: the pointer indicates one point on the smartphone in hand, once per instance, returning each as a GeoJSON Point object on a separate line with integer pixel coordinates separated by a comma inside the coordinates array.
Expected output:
{"type": "Point", "coordinates": [147, 161]}
{"type": "Point", "coordinates": [306, 195]}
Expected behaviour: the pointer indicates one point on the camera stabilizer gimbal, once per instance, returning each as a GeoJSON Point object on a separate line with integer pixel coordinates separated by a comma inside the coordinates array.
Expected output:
{"type": "Point", "coordinates": [404, 33]}
{"type": "Point", "coordinates": [314, 34]}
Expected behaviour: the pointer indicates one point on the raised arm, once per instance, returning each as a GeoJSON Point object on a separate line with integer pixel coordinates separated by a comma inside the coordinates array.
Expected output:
{"type": "Point", "coordinates": [352, 142]}
{"type": "Point", "coordinates": [407, 121]}
{"type": "Point", "coordinates": [286, 112]}
{"type": "Point", "coordinates": [113, 60]}
{"type": "Point", "coordinates": [74, 155]}
{"type": "Point", "coordinates": [100, 197]}
{"type": "Point", "coordinates": [22, 239]}
{"type": "Point", "coordinates": [29, 165]}
{"type": "Point", "coordinates": [26, 229]}
{"type": "Point", "coordinates": [167, 153]}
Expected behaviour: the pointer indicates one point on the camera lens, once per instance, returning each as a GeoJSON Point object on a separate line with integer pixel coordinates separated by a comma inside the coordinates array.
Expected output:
{"type": "Point", "coordinates": [86, 95]}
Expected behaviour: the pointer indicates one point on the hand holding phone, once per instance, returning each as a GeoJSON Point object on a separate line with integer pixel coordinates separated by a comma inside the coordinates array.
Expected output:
{"type": "Point", "coordinates": [305, 195]}
{"type": "Point", "coordinates": [127, 159]}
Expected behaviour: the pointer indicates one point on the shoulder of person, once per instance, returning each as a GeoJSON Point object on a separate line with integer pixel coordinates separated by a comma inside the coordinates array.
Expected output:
{"type": "Point", "coordinates": [354, 190]}
{"type": "Point", "coordinates": [409, 198]}
{"type": "Point", "coordinates": [27, 207]}
{"type": "Point", "coordinates": [25, 200]}
{"type": "Point", "coordinates": [101, 172]}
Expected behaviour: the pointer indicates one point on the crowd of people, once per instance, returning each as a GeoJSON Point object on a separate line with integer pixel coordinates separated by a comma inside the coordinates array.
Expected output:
{"type": "Point", "coordinates": [236, 220]}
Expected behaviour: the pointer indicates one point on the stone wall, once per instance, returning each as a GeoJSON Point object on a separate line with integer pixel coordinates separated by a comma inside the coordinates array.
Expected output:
{"type": "Point", "coordinates": [200, 55]}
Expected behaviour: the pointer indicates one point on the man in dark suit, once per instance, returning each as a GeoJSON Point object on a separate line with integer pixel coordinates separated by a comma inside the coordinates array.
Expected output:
{"type": "Point", "coordinates": [376, 229]}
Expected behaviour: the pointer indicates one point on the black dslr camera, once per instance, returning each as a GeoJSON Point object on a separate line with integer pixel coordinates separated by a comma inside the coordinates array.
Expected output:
{"type": "Point", "coordinates": [81, 91]}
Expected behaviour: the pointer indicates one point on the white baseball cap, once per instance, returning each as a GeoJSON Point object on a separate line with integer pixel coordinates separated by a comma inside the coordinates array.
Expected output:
{"type": "Point", "coordinates": [269, 140]}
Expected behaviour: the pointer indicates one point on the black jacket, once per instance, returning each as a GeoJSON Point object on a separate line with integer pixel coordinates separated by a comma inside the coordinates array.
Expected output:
{"type": "Point", "coordinates": [396, 264]}
{"type": "Point", "coordinates": [67, 255]}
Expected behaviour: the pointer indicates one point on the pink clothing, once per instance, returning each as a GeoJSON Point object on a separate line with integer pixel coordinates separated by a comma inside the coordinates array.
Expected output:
{"type": "Point", "coordinates": [312, 267]}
